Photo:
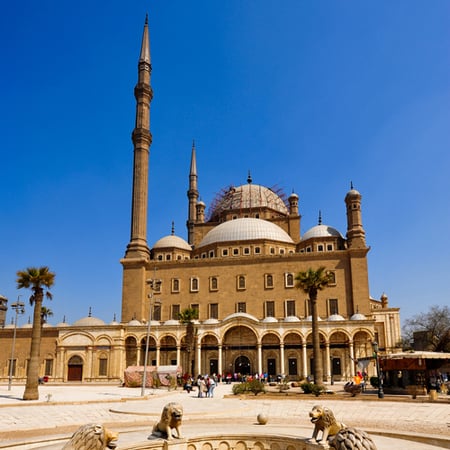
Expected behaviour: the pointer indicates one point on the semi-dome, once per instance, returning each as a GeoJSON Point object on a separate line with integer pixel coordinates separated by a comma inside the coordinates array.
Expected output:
{"type": "Point", "coordinates": [246, 229]}
{"type": "Point", "coordinates": [320, 231]}
{"type": "Point", "coordinates": [335, 317]}
{"type": "Point", "coordinates": [269, 319]}
{"type": "Point", "coordinates": [134, 323]}
{"type": "Point", "coordinates": [358, 316]}
{"type": "Point", "coordinates": [291, 319]}
{"type": "Point", "coordinates": [248, 196]}
{"type": "Point", "coordinates": [88, 321]}
{"type": "Point", "coordinates": [172, 241]}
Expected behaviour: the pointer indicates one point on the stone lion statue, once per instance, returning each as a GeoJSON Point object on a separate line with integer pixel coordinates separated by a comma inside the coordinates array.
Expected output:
{"type": "Point", "coordinates": [92, 436]}
{"type": "Point", "coordinates": [171, 418]}
{"type": "Point", "coordinates": [324, 421]}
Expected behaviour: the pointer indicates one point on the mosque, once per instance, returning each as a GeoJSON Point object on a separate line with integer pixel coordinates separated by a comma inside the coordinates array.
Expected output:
{"type": "Point", "coordinates": [237, 269]}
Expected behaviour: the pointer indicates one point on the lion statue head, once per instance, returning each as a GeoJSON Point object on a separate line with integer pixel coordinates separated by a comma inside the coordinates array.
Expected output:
{"type": "Point", "coordinates": [92, 436]}
{"type": "Point", "coordinates": [171, 418]}
{"type": "Point", "coordinates": [324, 421]}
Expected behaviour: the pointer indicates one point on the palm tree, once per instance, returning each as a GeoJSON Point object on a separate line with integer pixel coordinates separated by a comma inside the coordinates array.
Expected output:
{"type": "Point", "coordinates": [38, 279]}
{"type": "Point", "coordinates": [187, 317]}
{"type": "Point", "coordinates": [312, 281]}
{"type": "Point", "coordinates": [45, 314]}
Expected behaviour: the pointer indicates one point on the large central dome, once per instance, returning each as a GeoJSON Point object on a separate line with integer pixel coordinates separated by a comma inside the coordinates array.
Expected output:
{"type": "Point", "coordinates": [247, 197]}
{"type": "Point", "coordinates": [246, 229]}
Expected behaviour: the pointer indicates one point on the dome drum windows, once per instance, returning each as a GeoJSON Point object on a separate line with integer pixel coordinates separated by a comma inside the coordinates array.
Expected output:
{"type": "Point", "coordinates": [269, 308]}
{"type": "Point", "coordinates": [241, 307]}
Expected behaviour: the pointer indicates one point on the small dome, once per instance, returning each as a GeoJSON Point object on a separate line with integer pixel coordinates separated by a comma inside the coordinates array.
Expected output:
{"type": "Point", "coordinates": [46, 325]}
{"type": "Point", "coordinates": [62, 325]}
{"type": "Point", "coordinates": [269, 320]}
{"type": "Point", "coordinates": [172, 241]}
{"type": "Point", "coordinates": [210, 321]}
{"type": "Point", "coordinates": [335, 317]}
{"type": "Point", "coordinates": [358, 316]}
{"type": "Point", "coordinates": [134, 323]}
{"type": "Point", "coordinates": [291, 319]}
{"type": "Point", "coordinates": [171, 322]}
{"type": "Point", "coordinates": [309, 319]}
{"type": "Point", "coordinates": [88, 321]}
{"type": "Point", "coordinates": [320, 231]}
{"type": "Point", "coordinates": [26, 325]}
{"type": "Point", "coordinates": [245, 229]}
{"type": "Point", "coordinates": [10, 325]}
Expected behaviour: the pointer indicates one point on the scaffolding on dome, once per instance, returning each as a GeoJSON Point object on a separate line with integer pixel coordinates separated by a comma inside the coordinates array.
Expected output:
{"type": "Point", "coordinates": [231, 198]}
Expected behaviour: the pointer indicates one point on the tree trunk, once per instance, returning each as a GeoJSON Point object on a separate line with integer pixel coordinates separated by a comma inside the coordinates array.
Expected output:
{"type": "Point", "coordinates": [31, 387]}
{"type": "Point", "coordinates": [317, 357]}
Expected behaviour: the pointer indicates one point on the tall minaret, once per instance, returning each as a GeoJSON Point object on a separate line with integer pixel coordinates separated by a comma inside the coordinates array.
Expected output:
{"type": "Point", "coordinates": [142, 139]}
{"type": "Point", "coordinates": [192, 194]}
{"type": "Point", "coordinates": [356, 236]}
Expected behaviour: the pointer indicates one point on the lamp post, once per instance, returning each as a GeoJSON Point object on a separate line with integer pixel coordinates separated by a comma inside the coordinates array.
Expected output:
{"type": "Point", "coordinates": [19, 308]}
{"type": "Point", "coordinates": [379, 375]}
{"type": "Point", "coordinates": [155, 286]}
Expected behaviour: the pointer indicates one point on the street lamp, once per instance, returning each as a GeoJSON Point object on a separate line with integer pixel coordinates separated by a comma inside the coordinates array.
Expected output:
{"type": "Point", "coordinates": [155, 286]}
{"type": "Point", "coordinates": [379, 375]}
{"type": "Point", "coordinates": [19, 308]}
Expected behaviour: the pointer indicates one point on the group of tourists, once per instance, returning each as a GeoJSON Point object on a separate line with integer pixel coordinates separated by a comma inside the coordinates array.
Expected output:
{"type": "Point", "coordinates": [205, 385]}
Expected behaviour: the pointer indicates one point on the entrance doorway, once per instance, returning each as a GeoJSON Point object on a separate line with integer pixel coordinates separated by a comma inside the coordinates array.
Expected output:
{"type": "Point", "coordinates": [75, 369]}
{"type": "Point", "coordinates": [242, 365]}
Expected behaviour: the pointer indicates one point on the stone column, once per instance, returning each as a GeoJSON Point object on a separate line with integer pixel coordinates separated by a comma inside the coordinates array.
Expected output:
{"type": "Point", "coordinates": [352, 359]}
{"type": "Point", "coordinates": [260, 369]}
{"type": "Point", "coordinates": [327, 356]}
{"type": "Point", "coordinates": [282, 359]}
{"type": "Point", "coordinates": [220, 361]}
{"type": "Point", "coordinates": [304, 361]}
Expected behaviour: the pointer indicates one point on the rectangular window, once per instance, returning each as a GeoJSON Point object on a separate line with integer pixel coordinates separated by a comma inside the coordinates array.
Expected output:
{"type": "Point", "coordinates": [156, 313]}
{"type": "Point", "coordinates": [307, 307]}
{"type": "Point", "coordinates": [241, 307]}
{"type": "Point", "coordinates": [196, 307]}
{"type": "Point", "coordinates": [270, 309]}
{"type": "Point", "coordinates": [194, 284]}
{"type": "Point", "coordinates": [235, 251]}
{"type": "Point", "coordinates": [241, 282]}
{"type": "Point", "coordinates": [246, 251]}
{"type": "Point", "coordinates": [290, 308]}
{"type": "Point", "coordinates": [332, 278]}
{"type": "Point", "coordinates": [175, 285]}
{"type": "Point", "coordinates": [225, 252]}
{"type": "Point", "coordinates": [213, 310]}
{"type": "Point", "coordinates": [48, 369]}
{"type": "Point", "coordinates": [103, 367]}
{"type": "Point", "coordinates": [333, 306]}
{"type": "Point", "coordinates": [268, 281]}
{"type": "Point", "coordinates": [175, 314]}
{"type": "Point", "coordinates": [257, 250]}
{"type": "Point", "coordinates": [213, 284]}
{"type": "Point", "coordinates": [288, 280]}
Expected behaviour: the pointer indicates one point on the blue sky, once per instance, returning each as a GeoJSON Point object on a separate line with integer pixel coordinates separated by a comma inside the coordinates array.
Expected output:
{"type": "Point", "coordinates": [307, 95]}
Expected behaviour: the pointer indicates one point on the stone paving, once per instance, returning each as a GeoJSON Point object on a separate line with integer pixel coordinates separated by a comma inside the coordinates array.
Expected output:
{"type": "Point", "coordinates": [61, 409]}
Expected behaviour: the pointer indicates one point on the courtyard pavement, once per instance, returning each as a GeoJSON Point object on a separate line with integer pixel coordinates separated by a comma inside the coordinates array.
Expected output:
{"type": "Point", "coordinates": [48, 422]}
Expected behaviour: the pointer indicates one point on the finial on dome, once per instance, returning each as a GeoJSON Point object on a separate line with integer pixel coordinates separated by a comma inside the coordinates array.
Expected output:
{"type": "Point", "coordinates": [64, 318]}
{"type": "Point", "coordinates": [90, 311]}
{"type": "Point", "coordinates": [114, 317]}
{"type": "Point", "coordinates": [249, 178]}
{"type": "Point", "coordinates": [320, 217]}
{"type": "Point", "coordinates": [146, 18]}
{"type": "Point", "coordinates": [351, 185]}
{"type": "Point", "coordinates": [193, 143]}
{"type": "Point", "coordinates": [173, 228]}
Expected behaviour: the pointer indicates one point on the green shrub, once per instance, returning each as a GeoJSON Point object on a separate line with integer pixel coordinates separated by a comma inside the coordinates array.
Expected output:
{"type": "Point", "coordinates": [307, 387]}
{"type": "Point", "coordinates": [311, 388]}
{"type": "Point", "coordinates": [254, 386]}
{"type": "Point", "coordinates": [374, 382]}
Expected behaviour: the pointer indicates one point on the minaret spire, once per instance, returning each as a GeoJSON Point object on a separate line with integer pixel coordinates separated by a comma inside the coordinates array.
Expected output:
{"type": "Point", "coordinates": [142, 139]}
{"type": "Point", "coordinates": [193, 195]}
